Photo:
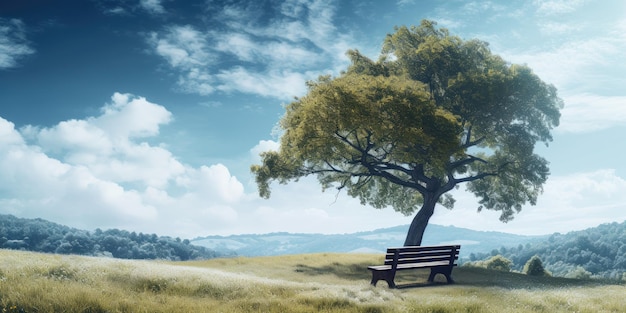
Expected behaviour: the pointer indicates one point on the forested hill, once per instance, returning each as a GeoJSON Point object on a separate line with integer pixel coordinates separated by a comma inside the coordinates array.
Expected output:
{"type": "Point", "coordinates": [44, 236]}
{"type": "Point", "coordinates": [598, 251]}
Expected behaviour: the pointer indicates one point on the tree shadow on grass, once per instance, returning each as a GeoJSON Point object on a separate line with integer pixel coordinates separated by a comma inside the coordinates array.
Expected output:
{"type": "Point", "coordinates": [350, 271]}
{"type": "Point", "coordinates": [359, 272]}
{"type": "Point", "coordinates": [463, 276]}
{"type": "Point", "coordinates": [480, 277]}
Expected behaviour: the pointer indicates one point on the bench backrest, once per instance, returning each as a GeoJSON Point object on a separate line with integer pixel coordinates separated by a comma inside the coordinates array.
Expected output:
{"type": "Point", "coordinates": [422, 254]}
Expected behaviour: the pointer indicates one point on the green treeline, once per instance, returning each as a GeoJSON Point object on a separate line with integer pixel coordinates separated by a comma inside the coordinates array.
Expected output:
{"type": "Point", "coordinates": [594, 252]}
{"type": "Point", "coordinates": [43, 236]}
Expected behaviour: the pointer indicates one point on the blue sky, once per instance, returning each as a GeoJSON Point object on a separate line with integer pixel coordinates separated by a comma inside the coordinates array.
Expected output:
{"type": "Point", "coordinates": [147, 114]}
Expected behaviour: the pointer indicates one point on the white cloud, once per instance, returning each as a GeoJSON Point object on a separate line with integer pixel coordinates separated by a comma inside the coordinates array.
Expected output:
{"type": "Point", "coordinates": [299, 44]}
{"type": "Point", "coordinates": [152, 6]}
{"type": "Point", "coordinates": [402, 3]}
{"type": "Point", "coordinates": [36, 185]}
{"type": "Point", "coordinates": [215, 183]}
{"type": "Point", "coordinates": [95, 172]}
{"type": "Point", "coordinates": [182, 46]}
{"type": "Point", "coordinates": [551, 28]}
{"type": "Point", "coordinates": [116, 11]}
{"type": "Point", "coordinates": [263, 146]}
{"type": "Point", "coordinates": [572, 64]}
{"type": "Point", "coordinates": [73, 135]}
{"type": "Point", "coordinates": [241, 45]}
{"type": "Point", "coordinates": [13, 43]}
{"type": "Point", "coordinates": [301, 207]}
{"type": "Point", "coordinates": [588, 75]}
{"type": "Point", "coordinates": [106, 146]}
{"type": "Point", "coordinates": [8, 134]}
{"type": "Point", "coordinates": [281, 84]}
{"type": "Point", "coordinates": [131, 117]}
{"type": "Point", "coordinates": [571, 202]}
{"type": "Point", "coordinates": [271, 53]}
{"type": "Point", "coordinates": [557, 7]}
{"type": "Point", "coordinates": [480, 7]}
{"type": "Point", "coordinates": [588, 112]}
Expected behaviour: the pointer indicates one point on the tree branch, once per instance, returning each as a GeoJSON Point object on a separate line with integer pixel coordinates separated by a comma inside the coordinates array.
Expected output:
{"type": "Point", "coordinates": [459, 163]}
{"type": "Point", "coordinates": [468, 139]}
{"type": "Point", "coordinates": [376, 166]}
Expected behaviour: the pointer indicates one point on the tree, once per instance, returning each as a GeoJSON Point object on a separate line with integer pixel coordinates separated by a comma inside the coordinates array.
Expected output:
{"type": "Point", "coordinates": [534, 267]}
{"type": "Point", "coordinates": [433, 112]}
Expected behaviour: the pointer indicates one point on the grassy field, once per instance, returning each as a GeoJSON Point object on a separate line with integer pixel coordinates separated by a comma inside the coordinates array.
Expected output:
{"type": "Point", "coordinates": [33, 282]}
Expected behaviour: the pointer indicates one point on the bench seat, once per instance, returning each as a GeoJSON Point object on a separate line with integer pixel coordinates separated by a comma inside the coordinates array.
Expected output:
{"type": "Point", "coordinates": [440, 260]}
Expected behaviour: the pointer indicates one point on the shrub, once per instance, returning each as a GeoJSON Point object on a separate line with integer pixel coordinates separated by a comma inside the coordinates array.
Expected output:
{"type": "Point", "coordinates": [534, 267]}
{"type": "Point", "coordinates": [499, 263]}
{"type": "Point", "coordinates": [578, 273]}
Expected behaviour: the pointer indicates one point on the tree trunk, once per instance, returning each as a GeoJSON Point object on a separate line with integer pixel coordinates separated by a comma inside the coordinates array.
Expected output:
{"type": "Point", "coordinates": [420, 221]}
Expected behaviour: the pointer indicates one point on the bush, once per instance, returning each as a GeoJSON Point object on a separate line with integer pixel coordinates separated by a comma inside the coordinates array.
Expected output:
{"type": "Point", "coordinates": [499, 263]}
{"type": "Point", "coordinates": [534, 267]}
{"type": "Point", "coordinates": [578, 273]}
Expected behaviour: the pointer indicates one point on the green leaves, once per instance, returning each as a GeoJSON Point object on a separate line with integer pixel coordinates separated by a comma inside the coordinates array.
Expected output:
{"type": "Point", "coordinates": [433, 112]}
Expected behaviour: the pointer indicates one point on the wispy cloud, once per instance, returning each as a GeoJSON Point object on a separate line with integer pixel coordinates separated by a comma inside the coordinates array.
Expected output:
{"type": "Point", "coordinates": [551, 28]}
{"type": "Point", "coordinates": [152, 6]}
{"type": "Point", "coordinates": [245, 54]}
{"type": "Point", "coordinates": [183, 47]}
{"type": "Point", "coordinates": [588, 78]}
{"type": "Point", "coordinates": [13, 42]}
{"type": "Point", "coordinates": [279, 84]}
{"type": "Point", "coordinates": [131, 8]}
{"type": "Point", "coordinates": [556, 7]}
{"type": "Point", "coordinates": [590, 112]}
{"type": "Point", "coordinates": [402, 3]}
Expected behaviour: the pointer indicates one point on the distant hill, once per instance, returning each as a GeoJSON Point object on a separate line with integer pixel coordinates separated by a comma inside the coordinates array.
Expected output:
{"type": "Point", "coordinates": [376, 241]}
{"type": "Point", "coordinates": [599, 251]}
{"type": "Point", "coordinates": [44, 236]}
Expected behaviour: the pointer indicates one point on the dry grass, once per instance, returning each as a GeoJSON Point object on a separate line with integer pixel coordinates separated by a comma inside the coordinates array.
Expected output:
{"type": "Point", "coordinates": [32, 282]}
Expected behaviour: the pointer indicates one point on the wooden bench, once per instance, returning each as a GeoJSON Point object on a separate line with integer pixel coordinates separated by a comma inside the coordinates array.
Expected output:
{"type": "Point", "coordinates": [440, 260]}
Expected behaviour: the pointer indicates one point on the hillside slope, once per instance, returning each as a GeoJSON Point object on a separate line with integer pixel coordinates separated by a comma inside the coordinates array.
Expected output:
{"type": "Point", "coordinates": [598, 251]}
{"type": "Point", "coordinates": [33, 282]}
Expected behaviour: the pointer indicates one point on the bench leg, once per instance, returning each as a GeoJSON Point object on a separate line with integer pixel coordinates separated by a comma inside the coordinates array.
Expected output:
{"type": "Point", "coordinates": [446, 271]}
{"type": "Point", "coordinates": [387, 276]}
{"type": "Point", "coordinates": [375, 278]}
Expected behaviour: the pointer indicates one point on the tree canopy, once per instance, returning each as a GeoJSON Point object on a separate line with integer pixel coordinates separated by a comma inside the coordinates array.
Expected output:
{"type": "Point", "coordinates": [433, 112]}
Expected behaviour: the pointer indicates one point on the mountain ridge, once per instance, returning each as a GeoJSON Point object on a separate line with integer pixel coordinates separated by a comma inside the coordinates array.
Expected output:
{"type": "Point", "coordinates": [374, 241]}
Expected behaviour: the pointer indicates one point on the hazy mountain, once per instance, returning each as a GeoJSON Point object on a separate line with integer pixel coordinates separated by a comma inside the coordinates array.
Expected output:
{"type": "Point", "coordinates": [376, 241]}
